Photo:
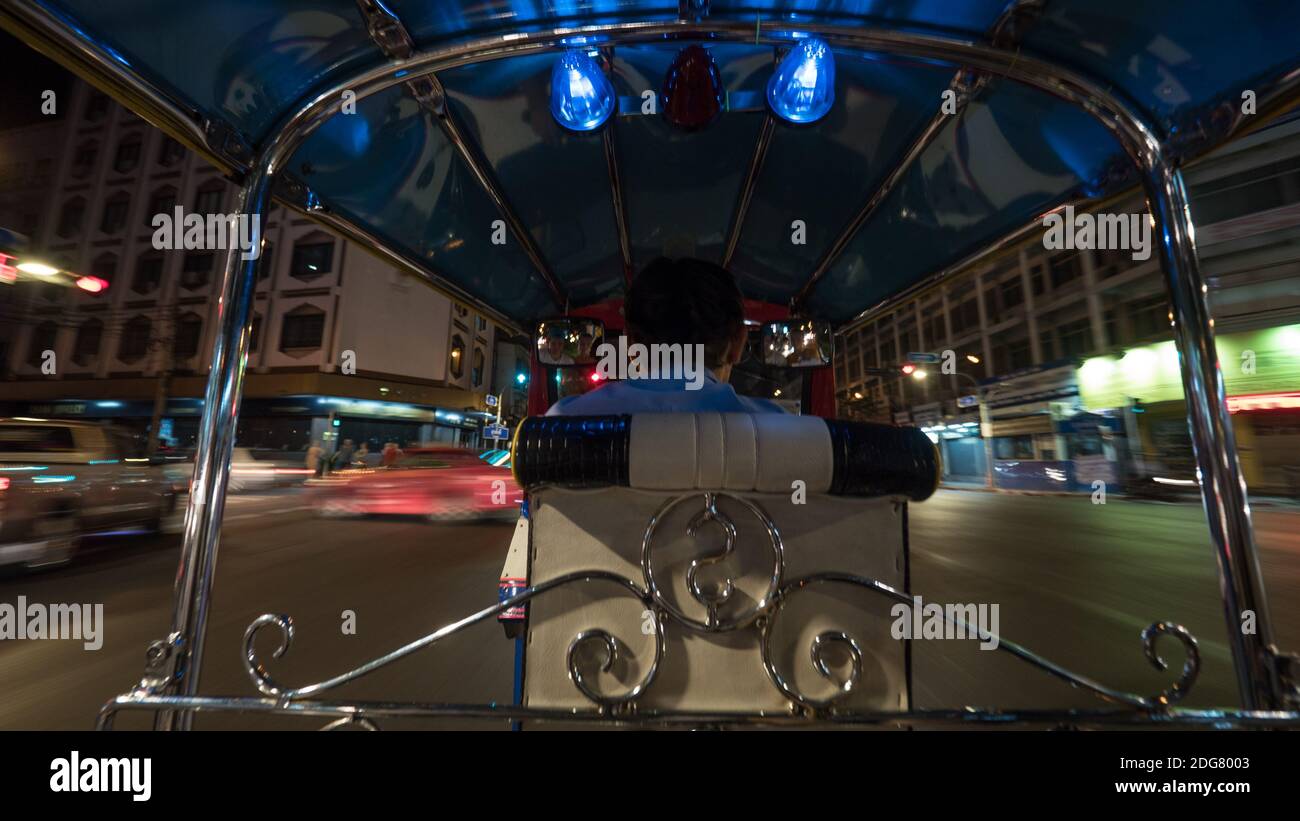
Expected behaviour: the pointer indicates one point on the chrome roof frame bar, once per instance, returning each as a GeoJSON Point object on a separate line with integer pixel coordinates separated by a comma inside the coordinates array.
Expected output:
{"type": "Point", "coordinates": [1004, 34]}
{"type": "Point", "coordinates": [1266, 678]}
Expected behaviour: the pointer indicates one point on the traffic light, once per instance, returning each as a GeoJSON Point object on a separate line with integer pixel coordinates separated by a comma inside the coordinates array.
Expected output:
{"type": "Point", "coordinates": [908, 369]}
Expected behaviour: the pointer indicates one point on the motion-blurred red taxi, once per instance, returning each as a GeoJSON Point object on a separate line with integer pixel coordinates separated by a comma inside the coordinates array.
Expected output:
{"type": "Point", "coordinates": [440, 484]}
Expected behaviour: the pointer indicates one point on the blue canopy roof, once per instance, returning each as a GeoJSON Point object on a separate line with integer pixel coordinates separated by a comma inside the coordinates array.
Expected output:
{"type": "Point", "coordinates": [1012, 153]}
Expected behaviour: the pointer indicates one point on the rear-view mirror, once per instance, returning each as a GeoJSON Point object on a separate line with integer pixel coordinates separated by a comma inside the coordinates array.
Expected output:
{"type": "Point", "coordinates": [798, 343]}
{"type": "Point", "coordinates": [570, 340]}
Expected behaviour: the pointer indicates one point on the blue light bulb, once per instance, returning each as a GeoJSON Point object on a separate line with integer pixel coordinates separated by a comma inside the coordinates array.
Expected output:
{"type": "Point", "coordinates": [581, 96]}
{"type": "Point", "coordinates": [802, 88]}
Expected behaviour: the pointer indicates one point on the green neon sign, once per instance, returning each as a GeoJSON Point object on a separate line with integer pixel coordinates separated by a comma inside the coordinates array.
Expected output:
{"type": "Point", "coordinates": [1263, 361]}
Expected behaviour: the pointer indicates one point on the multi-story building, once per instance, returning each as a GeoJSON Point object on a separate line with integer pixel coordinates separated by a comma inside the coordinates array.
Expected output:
{"type": "Point", "coordinates": [337, 334]}
{"type": "Point", "coordinates": [28, 154]}
{"type": "Point", "coordinates": [1037, 388]}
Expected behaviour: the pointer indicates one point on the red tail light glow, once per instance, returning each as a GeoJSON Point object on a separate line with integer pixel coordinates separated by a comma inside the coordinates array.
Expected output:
{"type": "Point", "coordinates": [92, 284]}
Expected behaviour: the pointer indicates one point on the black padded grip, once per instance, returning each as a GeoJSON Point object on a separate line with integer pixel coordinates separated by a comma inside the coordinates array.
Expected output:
{"type": "Point", "coordinates": [574, 451]}
{"type": "Point", "coordinates": [871, 459]}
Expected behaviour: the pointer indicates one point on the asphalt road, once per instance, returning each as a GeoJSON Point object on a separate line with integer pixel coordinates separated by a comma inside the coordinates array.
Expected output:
{"type": "Point", "coordinates": [1074, 582]}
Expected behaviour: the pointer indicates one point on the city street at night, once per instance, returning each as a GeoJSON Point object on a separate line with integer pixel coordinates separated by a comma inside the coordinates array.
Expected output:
{"type": "Point", "coordinates": [876, 365]}
{"type": "Point", "coordinates": [1075, 582]}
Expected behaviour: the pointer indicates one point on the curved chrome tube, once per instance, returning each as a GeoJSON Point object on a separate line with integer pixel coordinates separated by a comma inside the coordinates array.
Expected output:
{"type": "Point", "coordinates": [265, 683]}
{"type": "Point", "coordinates": [1166, 697]}
{"type": "Point", "coordinates": [714, 622]}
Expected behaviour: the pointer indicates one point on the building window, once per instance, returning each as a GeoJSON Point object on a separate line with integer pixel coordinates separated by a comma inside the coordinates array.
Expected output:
{"type": "Point", "coordinates": [104, 267]}
{"type": "Point", "coordinates": [171, 152]}
{"type": "Point", "coordinates": [312, 259]}
{"type": "Point", "coordinates": [148, 273]}
{"type": "Point", "coordinates": [97, 106]}
{"type": "Point", "coordinates": [86, 347]}
{"type": "Point", "coordinates": [196, 270]}
{"type": "Point", "coordinates": [1149, 317]}
{"type": "Point", "coordinates": [1065, 270]}
{"type": "Point", "coordinates": [1012, 293]}
{"type": "Point", "coordinates": [74, 211]}
{"type": "Point", "coordinates": [1013, 447]}
{"type": "Point", "coordinates": [185, 342]}
{"type": "Point", "coordinates": [163, 201]}
{"type": "Point", "coordinates": [83, 162]}
{"type": "Point", "coordinates": [135, 339]}
{"type": "Point", "coordinates": [127, 158]}
{"type": "Point", "coordinates": [476, 368]}
{"type": "Point", "coordinates": [208, 200]}
{"type": "Point", "coordinates": [1075, 338]}
{"type": "Point", "coordinates": [44, 336]}
{"type": "Point", "coordinates": [116, 207]}
{"type": "Point", "coordinates": [457, 356]}
{"type": "Point", "coordinates": [1111, 262]}
{"type": "Point", "coordinates": [255, 337]}
{"type": "Point", "coordinates": [302, 329]}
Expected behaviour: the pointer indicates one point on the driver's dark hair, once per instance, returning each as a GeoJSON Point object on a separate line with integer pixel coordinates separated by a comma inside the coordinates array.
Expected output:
{"type": "Point", "coordinates": [686, 301]}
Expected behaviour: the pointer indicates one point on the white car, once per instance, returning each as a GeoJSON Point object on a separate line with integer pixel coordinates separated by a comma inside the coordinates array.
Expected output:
{"type": "Point", "coordinates": [62, 480]}
{"type": "Point", "coordinates": [248, 473]}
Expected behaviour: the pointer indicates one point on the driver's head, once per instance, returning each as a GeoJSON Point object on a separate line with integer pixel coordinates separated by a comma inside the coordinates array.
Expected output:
{"type": "Point", "coordinates": [688, 301]}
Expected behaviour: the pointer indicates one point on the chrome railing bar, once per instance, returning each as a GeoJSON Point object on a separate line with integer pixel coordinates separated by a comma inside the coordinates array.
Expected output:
{"type": "Point", "coordinates": [481, 168]}
{"type": "Point", "coordinates": [616, 193]}
{"type": "Point", "coordinates": [747, 186]}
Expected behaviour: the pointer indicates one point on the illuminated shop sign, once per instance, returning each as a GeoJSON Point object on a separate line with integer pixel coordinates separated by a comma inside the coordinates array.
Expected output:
{"type": "Point", "coordinates": [1254, 363]}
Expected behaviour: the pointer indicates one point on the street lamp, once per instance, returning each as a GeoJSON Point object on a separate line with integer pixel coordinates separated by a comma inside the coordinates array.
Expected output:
{"type": "Point", "coordinates": [39, 269]}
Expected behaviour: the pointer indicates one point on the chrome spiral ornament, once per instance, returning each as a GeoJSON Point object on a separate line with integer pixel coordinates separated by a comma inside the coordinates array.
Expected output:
{"type": "Point", "coordinates": [1173, 693]}
{"type": "Point", "coordinates": [713, 601]}
{"type": "Point", "coordinates": [817, 651]}
{"type": "Point", "coordinates": [265, 683]}
{"type": "Point", "coordinates": [762, 616]}
{"type": "Point", "coordinates": [1177, 691]}
{"type": "Point", "coordinates": [610, 646]}
{"type": "Point", "coordinates": [257, 672]}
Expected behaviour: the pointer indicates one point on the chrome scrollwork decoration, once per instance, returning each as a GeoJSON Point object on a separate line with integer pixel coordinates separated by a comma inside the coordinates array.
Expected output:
{"type": "Point", "coordinates": [1173, 693]}
{"type": "Point", "coordinates": [713, 600]}
{"type": "Point", "coordinates": [265, 683]}
{"type": "Point", "coordinates": [762, 616]}
{"type": "Point", "coordinates": [1191, 665]}
{"type": "Point", "coordinates": [257, 672]}
{"type": "Point", "coordinates": [610, 647]}
{"type": "Point", "coordinates": [818, 651]}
